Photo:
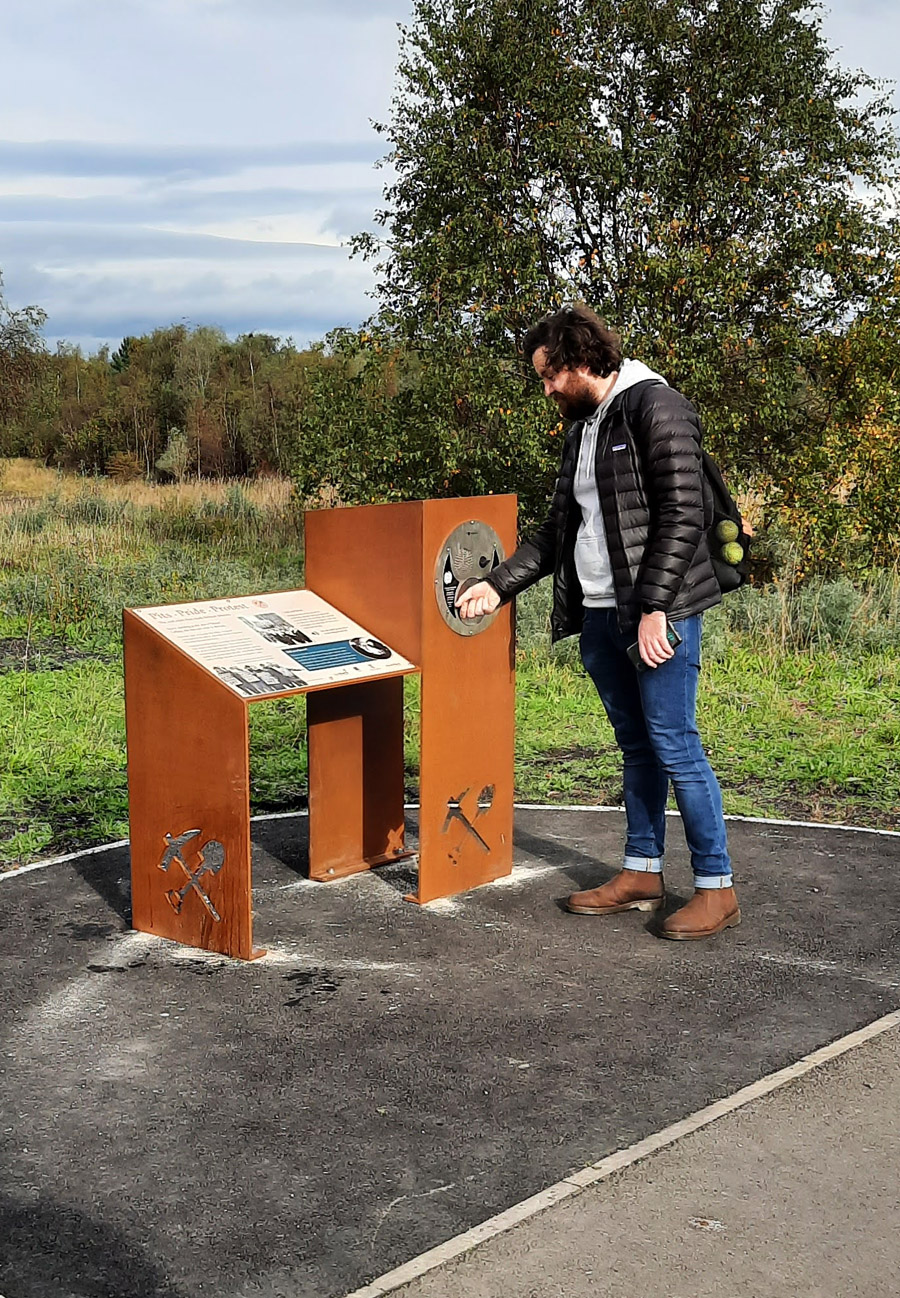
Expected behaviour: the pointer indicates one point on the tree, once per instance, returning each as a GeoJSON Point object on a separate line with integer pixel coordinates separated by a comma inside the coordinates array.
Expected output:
{"type": "Point", "coordinates": [178, 456]}
{"type": "Point", "coordinates": [840, 489]}
{"type": "Point", "coordinates": [698, 170]}
{"type": "Point", "coordinates": [21, 354]}
{"type": "Point", "coordinates": [380, 420]}
{"type": "Point", "coordinates": [121, 357]}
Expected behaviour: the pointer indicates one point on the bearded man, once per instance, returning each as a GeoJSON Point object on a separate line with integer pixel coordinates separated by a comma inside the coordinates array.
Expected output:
{"type": "Point", "coordinates": [625, 543]}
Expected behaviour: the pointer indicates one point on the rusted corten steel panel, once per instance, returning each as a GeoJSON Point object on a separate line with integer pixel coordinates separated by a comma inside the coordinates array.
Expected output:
{"type": "Point", "coordinates": [377, 564]}
{"type": "Point", "coordinates": [189, 798]}
{"type": "Point", "coordinates": [366, 560]}
{"type": "Point", "coordinates": [383, 567]}
{"type": "Point", "coordinates": [355, 777]}
{"type": "Point", "coordinates": [189, 790]}
{"type": "Point", "coordinates": [468, 722]}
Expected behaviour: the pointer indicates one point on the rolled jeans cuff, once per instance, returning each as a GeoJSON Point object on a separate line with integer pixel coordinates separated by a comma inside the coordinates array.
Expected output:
{"type": "Point", "coordinates": [713, 881]}
{"type": "Point", "coordinates": [644, 864]}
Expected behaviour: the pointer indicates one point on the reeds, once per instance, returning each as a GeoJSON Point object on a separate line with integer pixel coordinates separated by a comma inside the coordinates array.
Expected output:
{"type": "Point", "coordinates": [783, 617]}
{"type": "Point", "coordinates": [73, 557]}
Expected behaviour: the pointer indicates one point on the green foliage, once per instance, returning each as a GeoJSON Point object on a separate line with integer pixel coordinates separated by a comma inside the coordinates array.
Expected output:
{"type": "Point", "coordinates": [121, 357]}
{"type": "Point", "coordinates": [405, 423]}
{"type": "Point", "coordinates": [176, 401]}
{"type": "Point", "coordinates": [836, 491]}
{"type": "Point", "coordinates": [178, 456]}
{"type": "Point", "coordinates": [278, 758]}
{"type": "Point", "coordinates": [702, 174]}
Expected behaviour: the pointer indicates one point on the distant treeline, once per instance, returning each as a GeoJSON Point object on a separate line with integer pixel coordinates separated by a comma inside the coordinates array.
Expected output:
{"type": "Point", "coordinates": [363, 417]}
{"type": "Point", "coordinates": [174, 403]}
{"type": "Point", "coordinates": [353, 419]}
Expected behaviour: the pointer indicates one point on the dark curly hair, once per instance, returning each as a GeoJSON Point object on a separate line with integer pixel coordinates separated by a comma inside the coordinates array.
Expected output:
{"type": "Point", "coordinates": [575, 337]}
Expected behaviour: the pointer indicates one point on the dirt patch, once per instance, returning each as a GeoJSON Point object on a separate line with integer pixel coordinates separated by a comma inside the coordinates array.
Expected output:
{"type": "Point", "coordinates": [790, 802]}
{"type": "Point", "coordinates": [820, 806]}
{"type": "Point", "coordinates": [17, 654]}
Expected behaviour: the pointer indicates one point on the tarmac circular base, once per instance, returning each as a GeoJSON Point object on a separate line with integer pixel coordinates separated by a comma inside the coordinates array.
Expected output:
{"type": "Point", "coordinates": [179, 1124]}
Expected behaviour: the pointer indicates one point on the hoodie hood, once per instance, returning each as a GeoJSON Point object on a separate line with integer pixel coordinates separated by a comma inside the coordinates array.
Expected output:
{"type": "Point", "coordinates": [592, 561]}
{"type": "Point", "coordinates": [630, 373]}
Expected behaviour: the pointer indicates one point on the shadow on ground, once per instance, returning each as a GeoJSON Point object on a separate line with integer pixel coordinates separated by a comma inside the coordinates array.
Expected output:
{"type": "Point", "coordinates": [50, 1248]}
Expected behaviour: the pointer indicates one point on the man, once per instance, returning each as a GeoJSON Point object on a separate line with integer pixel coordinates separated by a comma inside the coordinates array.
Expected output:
{"type": "Point", "coordinates": [625, 541]}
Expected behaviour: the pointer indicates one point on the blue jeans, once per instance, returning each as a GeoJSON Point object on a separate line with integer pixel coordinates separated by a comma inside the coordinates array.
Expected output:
{"type": "Point", "coordinates": [653, 715]}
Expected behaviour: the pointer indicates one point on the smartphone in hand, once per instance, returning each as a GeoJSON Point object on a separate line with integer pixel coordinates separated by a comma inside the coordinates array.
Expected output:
{"type": "Point", "coordinates": [634, 653]}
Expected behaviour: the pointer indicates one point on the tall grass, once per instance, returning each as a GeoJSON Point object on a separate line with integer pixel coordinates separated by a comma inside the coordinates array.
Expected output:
{"type": "Point", "coordinates": [231, 517]}
{"type": "Point", "coordinates": [28, 480]}
{"type": "Point", "coordinates": [785, 617]}
{"type": "Point", "coordinates": [71, 560]}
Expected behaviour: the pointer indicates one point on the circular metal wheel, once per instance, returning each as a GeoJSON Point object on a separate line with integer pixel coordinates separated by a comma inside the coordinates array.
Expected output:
{"type": "Point", "coordinates": [469, 554]}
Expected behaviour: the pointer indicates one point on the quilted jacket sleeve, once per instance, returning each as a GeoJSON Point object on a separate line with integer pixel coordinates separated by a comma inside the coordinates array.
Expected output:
{"type": "Point", "coordinates": [668, 434]}
{"type": "Point", "coordinates": [534, 559]}
{"type": "Point", "coordinates": [537, 557]}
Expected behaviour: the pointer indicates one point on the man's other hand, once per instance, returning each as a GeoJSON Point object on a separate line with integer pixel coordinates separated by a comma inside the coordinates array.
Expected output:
{"type": "Point", "coordinates": [652, 643]}
{"type": "Point", "coordinates": [477, 600]}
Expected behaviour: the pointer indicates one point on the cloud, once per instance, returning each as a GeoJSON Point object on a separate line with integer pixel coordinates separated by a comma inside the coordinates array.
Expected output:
{"type": "Point", "coordinates": [98, 283]}
{"type": "Point", "coordinates": [336, 207]}
{"type": "Point", "coordinates": [290, 10]}
{"type": "Point", "coordinates": [347, 9]}
{"type": "Point", "coordinates": [192, 158]}
{"type": "Point", "coordinates": [63, 245]}
{"type": "Point", "coordinates": [302, 295]}
{"type": "Point", "coordinates": [865, 34]}
{"type": "Point", "coordinates": [232, 73]}
{"type": "Point", "coordinates": [173, 162]}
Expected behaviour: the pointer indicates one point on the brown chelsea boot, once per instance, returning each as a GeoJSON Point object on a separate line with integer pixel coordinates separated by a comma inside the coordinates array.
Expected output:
{"type": "Point", "coordinates": [708, 912]}
{"type": "Point", "coordinates": [627, 890]}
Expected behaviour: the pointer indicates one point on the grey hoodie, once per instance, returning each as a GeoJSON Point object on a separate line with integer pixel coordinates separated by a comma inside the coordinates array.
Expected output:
{"type": "Point", "coordinates": [591, 551]}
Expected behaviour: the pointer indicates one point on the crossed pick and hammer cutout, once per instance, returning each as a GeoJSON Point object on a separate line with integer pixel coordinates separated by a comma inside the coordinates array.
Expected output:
{"type": "Point", "coordinates": [455, 813]}
{"type": "Point", "coordinates": [176, 896]}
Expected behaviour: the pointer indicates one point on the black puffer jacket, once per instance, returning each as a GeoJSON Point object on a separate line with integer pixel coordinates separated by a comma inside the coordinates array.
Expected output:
{"type": "Point", "coordinates": [656, 509]}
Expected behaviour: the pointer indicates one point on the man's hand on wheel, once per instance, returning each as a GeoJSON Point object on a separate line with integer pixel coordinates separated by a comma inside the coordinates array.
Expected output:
{"type": "Point", "coordinates": [477, 600]}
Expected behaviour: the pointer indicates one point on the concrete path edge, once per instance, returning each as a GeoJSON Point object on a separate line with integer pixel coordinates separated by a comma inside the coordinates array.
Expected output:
{"type": "Point", "coordinates": [617, 1162]}
{"type": "Point", "coordinates": [413, 806]}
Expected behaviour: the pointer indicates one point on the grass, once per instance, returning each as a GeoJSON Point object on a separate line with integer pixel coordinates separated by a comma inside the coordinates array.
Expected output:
{"type": "Point", "coordinates": [811, 737]}
{"type": "Point", "coordinates": [70, 560]}
{"type": "Point", "coordinates": [800, 702]}
{"type": "Point", "coordinates": [799, 705]}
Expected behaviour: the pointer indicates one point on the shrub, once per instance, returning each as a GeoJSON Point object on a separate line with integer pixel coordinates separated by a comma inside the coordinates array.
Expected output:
{"type": "Point", "coordinates": [124, 466]}
{"type": "Point", "coordinates": [178, 457]}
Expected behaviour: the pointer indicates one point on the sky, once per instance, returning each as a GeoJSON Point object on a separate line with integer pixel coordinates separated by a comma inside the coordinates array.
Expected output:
{"type": "Point", "coordinates": [205, 161]}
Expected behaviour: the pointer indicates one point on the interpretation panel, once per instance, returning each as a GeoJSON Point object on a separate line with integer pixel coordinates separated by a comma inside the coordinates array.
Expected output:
{"type": "Point", "coordinates": [191, 673]}
{"type": "Point", "coordinates": [263, 646]}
